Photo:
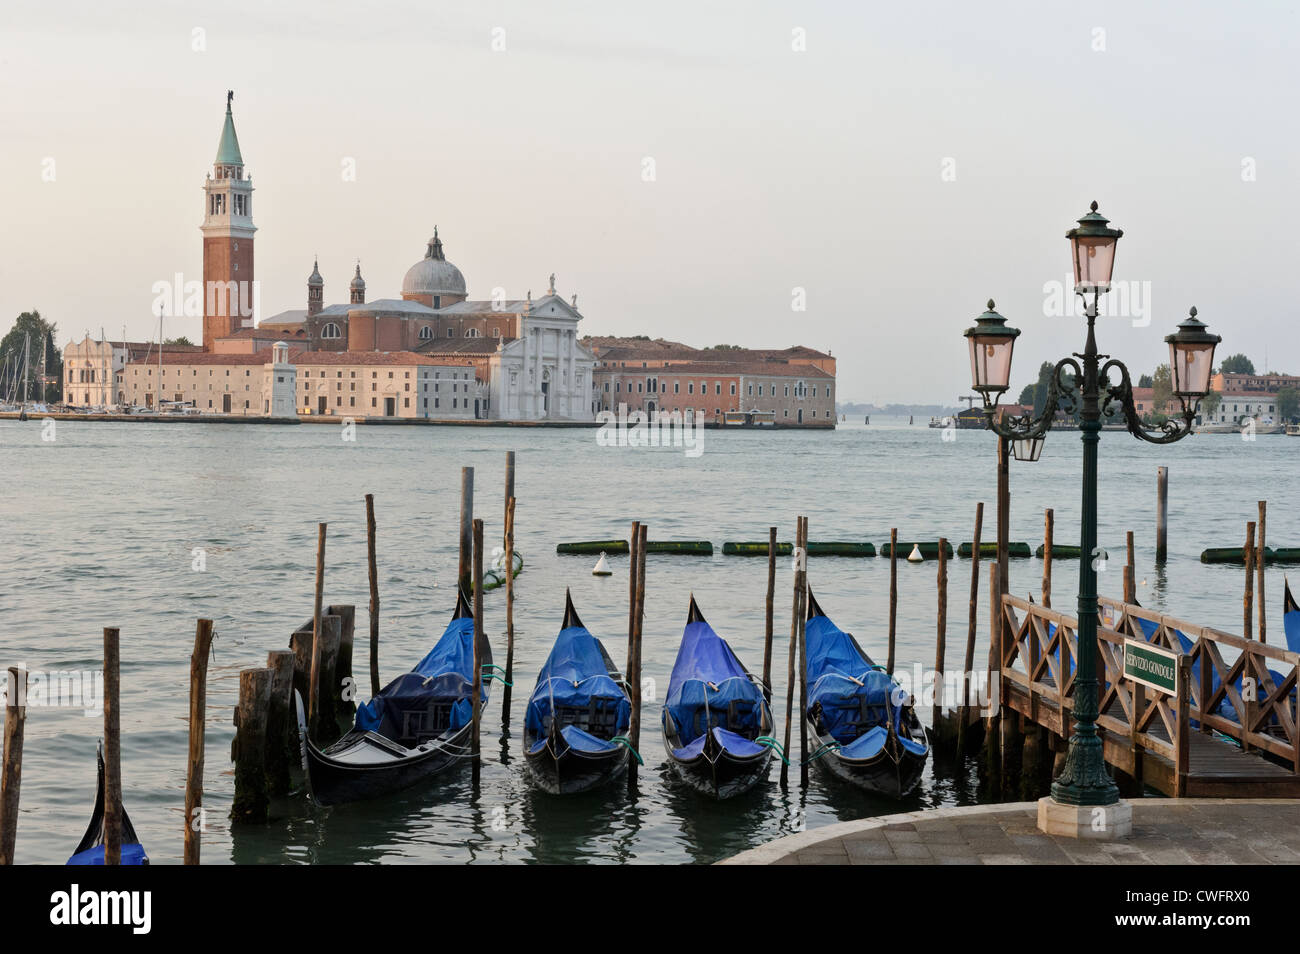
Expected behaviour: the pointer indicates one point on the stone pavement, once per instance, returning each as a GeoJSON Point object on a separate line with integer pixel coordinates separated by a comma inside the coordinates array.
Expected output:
{"type": "Point", "coordinates": [1166, 831]}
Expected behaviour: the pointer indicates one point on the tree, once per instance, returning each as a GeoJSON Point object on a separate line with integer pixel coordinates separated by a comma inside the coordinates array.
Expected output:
{"type": "Point", "coordinates": [30, 334]}
{"type": "Point", "coordinates": [1027, 394]}
{"type": "Point", "coordinates": [724, 347]}
{"type": "Point", "coordinates": [1144, 381]}
{"type": "Point", "coordinates": [1162, 388]}
{"type": "Point", "coordinates": [182, 340]}
{"type": "Point", "coordinates": [1288, 404]}
{"type": "Point", "coordinates": [1237, 364]}
{"type": "Point", "coordinates": [1210, 404]}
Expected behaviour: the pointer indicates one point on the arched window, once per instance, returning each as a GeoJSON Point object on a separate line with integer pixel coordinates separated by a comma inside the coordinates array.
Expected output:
{"type": "Point", "coordinates": [496, 332]}
{"type": "Point", "coordinates": [426, 333]}
{"type": "Point", "coordinates": [331, 330]}
{"type": "Point", "coordinates": [472, 333]}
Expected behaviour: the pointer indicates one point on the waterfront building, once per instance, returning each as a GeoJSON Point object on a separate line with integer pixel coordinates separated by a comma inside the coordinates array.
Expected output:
{"type": "Point", "coordinates": [250, 385]}
{"type": "Point", "coordinates": [1235, 407]}
{"type": "Point", "coordinates": [795, 385]}
{"type": "Point", "coordinates": [1231, 382]}
{"type": "Point", "coordinates": [399, 384]}
{"type": "Point", "coordinates": [90, 368]}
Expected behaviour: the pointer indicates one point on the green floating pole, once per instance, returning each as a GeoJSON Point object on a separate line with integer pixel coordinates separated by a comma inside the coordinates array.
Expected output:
{"type": "Point", "coordinates": [593, 546]}
{"type": "Point", "coordinates": [1237, 555]}
{"type": "Point", "coordinates": [989, 548]}
{"type": "Point", "coordinates": [683, 547]}
{"type": "Point", "coordinates": [754, 548]}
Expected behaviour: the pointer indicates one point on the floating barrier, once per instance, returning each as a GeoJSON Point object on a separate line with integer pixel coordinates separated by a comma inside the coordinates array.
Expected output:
{"type": "Point", "coordinates": [593, 546]}
{"type": "Point", "coordinates": [751, 548]}
{"type": "Point", "coordinates": [929, 549]}
{"type": "Point", "coordinates": [989, 548]}
{"type": "Point", "coordinates": [1060, 551]}
{"type": "Point", "coordinates": [1235, 555]}
{"type": "Point", "coordinates": [842, 548]}
{"type": "Point", "coordinates": [680, 547]}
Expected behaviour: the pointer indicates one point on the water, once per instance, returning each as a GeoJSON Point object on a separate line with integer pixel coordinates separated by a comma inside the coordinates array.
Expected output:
{"type": "Point", "coordinates": [100, 526]}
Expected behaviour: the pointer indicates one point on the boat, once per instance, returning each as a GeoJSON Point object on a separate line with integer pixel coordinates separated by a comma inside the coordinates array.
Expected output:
{"type": "Point", "coordinates": [1293, 430]}
{"type": "Point", "coordinates": [864, 724]}
{"type": "Point", "coordinates": [716, 721]}
{"type": "Point", "coordinates": [418, 725]}
{"type": "Point", "coordinates": [91, 849]}
{"type": "Point", "coordinates": [576, 723]}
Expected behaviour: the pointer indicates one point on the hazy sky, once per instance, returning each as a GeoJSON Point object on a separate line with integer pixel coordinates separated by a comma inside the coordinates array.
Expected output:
{"type": "Point", "coordinates": [914, 160]}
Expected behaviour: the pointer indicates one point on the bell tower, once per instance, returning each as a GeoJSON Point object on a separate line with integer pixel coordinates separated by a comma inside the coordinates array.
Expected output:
{"type": "Point", "coordinates": [228, 289]}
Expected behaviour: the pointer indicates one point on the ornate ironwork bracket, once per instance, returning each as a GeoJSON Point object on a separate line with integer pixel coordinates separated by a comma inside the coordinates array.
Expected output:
{"type": "Point", "coordinates": [1062, 394]}
{"type": "Point", "coordinates": [1121, 393]}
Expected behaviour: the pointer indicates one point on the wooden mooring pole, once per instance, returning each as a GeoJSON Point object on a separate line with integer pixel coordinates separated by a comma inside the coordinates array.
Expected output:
{"type": "Point", "coordinates": [313, 681]}
{"type": "Point", "coordinates": [789, 672]}
{"type": "Point", "coordinates": [1259, 569]}
{"type": "Point", "coordinates": [1162, 513]}
{"type": "Point", "coordinates": [464, 569]}
{"type": "Point", "coordinates": [198, 734]}
{"type": "Point", "coordinates": [940, 640]}
{"type": "Point", "coordinates": [374, 595]}
{"type": "Point", "coordinates": [112, 748]}
{"type": "Point", "coordinates": [477, 530]}
{"type": "Point", "coordinates": [11, 771]}
{"type": "Point", "coordinates": [633, 543]}
{"type": "Point", "coordinates": [771, 596]}
{"type": "Point", "coordinates": [893, 600]}
{"type": "Point", "coordinates": [1247, 601]}
{"type": "Point", "coordinates": [281, 724]}
{"type": "Point", "coordinates": [1130, 571]}
{"type": "Point", "coordinates": [1049, 519]}
{"type": "Point", "coordinates": [510, 601]}
{"type": "Point", "coordinates": [634, 674]}
{"type": "Point", "coordinates": [968, 660]}
{"type": "Point", "coordinates": [510, 490]}
{"type": "Point", "coordinates": [252, 793]}
{"type": "Point", "coordinates": [801, 605]}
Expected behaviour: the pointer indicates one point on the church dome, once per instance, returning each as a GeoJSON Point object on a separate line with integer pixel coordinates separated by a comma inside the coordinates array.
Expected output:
{"type": "Point", "coordinates": [433, 275]}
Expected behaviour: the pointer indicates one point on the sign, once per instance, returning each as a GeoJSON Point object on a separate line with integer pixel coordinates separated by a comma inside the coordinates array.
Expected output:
{"type": "Point", "coordinates": [1152, 666]}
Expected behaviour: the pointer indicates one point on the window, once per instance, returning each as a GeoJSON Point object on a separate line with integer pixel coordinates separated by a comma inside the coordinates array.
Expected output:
{"type": "Point", "coordinates": [330, 331]}
{"type": "Point", "coordinates": [677, 387]}
{"type": "Point", "coordinates": [717, 387]}
{"type": "Point", "coordinates": [733, 388]}
{"type": "Point", "coordinates": [690, 387]}
{"type": "Point", "coordinates": [751, 390]}
{"type": "Point", "coordinates": [406, 402]}
{"type": "Point", "coordinates": [451, 332]}
{"type": "Point", "coordinates": [472, 333]}
{"type": "Point", "coordinates": [426, 333]}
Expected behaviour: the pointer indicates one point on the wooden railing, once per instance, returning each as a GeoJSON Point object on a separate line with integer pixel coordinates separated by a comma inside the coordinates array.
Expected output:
{"type": "Point", "coordinates": [1041, 644]}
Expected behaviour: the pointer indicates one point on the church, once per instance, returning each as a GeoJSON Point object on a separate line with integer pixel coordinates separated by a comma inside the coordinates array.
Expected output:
{"type": "Point", "coordinates": [527, 359]}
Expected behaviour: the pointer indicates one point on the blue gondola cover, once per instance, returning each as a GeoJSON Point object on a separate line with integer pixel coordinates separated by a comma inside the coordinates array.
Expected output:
{"type": "Point", "coordinates": [852, 692]}
{"type": "Point", "coordinates": [708, 685]}
{"type": "Point", "coordinates": [447, 672]}
{"type": "Point", "coordinates": [575, 674]}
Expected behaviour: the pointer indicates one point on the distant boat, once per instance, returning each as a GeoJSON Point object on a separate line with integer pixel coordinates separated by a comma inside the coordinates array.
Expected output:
{"type": "Point", "coordinates": [716, 720]}
{"type": "Point", "coordinates": [91, 849]}
{"type": "Point", "coordinates": [576, 723]}
{"type": "Point", "coordinates": [1293, 430]}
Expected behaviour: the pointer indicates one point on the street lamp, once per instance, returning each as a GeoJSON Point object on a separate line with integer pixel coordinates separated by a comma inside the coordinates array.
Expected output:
{"type": "Point", "coordinates": [1028, 448]}
{"type": "Point", "coordinates": [1088, 389]}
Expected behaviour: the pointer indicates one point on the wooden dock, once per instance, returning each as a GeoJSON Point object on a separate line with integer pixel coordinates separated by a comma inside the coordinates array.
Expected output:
{"type": "Point", "coordinates": [1164, 741]}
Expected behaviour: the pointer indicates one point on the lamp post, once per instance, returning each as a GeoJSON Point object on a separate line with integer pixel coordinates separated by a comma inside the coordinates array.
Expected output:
{"type": "Point", "coordinates": [1088, 390]}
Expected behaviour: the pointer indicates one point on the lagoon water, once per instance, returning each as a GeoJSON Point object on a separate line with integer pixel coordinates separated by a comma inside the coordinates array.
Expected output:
{"type": "Point", "coordinates": [100, 526]}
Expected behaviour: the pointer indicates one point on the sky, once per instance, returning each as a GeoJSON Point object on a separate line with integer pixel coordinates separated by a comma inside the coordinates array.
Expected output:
{"type": "Point", "coordinates": [856, 177]}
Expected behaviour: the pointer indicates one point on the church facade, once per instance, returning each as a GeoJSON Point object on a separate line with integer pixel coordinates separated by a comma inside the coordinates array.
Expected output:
{"type": "Point", "coordinates": [526, 355]}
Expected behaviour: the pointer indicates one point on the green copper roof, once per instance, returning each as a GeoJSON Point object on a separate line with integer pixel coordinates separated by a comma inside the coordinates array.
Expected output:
{"type": "Point", "coordinates": [228, 151]}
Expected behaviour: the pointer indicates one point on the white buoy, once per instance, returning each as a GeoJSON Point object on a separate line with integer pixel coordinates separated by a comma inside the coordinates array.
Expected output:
{"type": "Point", "coordinates": [915, 555]}
{"type": "Point", "coordinates": [602, 568]}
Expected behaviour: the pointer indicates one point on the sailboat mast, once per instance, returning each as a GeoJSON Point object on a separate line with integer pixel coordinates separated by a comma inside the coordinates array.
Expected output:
{"type": "Point", "coordinates": [27, 364]}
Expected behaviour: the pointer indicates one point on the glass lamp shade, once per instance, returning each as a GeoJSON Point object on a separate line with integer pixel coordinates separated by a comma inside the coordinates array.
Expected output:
{"type": "Point", "coordinates": [1191, 357]}
{"type": "Point", "coordinates": [1027, 448]}
{"type": "Point", "coordinates": [991, 343]}
{"type": "Point", "coordinates": [1092, 246]}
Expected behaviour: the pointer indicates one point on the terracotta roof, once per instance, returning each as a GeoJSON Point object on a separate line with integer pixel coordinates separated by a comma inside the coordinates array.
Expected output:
{"type": "Point", "coordinates": [704, 369]}
{"type": "Point", "coordinates": [368, 358]}
{"type": "Point", "coordinates": [205, 357]}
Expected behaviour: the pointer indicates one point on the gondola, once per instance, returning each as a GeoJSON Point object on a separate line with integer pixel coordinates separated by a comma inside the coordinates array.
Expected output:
{"type": "Point", "coordinates": [716, 722]}
{"type": "Point", "coordinates": [575, 727]}
{"type": "Point", "coordinates": [91, 849]}
{"type": "Point", "coordinates": [417, 726]}
{"type": "Point", "coordinates": [865, 726]}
